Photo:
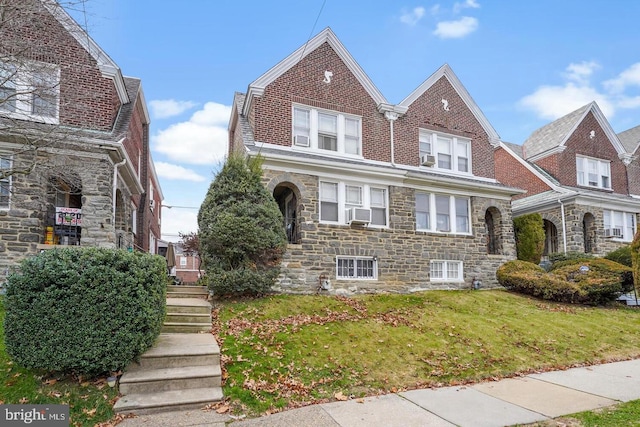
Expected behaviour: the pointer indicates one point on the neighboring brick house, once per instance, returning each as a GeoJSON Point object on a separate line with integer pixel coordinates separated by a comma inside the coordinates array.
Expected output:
{"type": "Point", "coordinates": [90, 184]}
{"type": "Point", "coordinates": [580, 177]}
{"type": "Point", "coordinates": [376, 196]}
{"type": "Point", "coordinates": [187, 266]}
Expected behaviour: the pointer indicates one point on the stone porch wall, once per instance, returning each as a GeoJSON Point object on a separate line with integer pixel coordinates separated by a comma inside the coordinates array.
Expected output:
{"type": "Point", "coordinates": [403, 254]}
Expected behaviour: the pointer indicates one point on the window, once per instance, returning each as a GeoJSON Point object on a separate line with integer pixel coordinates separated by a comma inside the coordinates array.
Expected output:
{"type": "Point", "coordinates": [326, 130]}
{"type": "Point", "coordinates": [338, 197]}
{"type": "Point", "coordinates": [356, 268]}
{"type": "Point", "coordinates": [5, 183]}
{"type": "Point", "coordinates": [450, 271]}
{"type": "Point", "coordinates": [434, 212]}
{"type": "Point", "coordinates": [593, 172]}
{"type": "Point", "coordinates": [30, 91]}
{"type": "Point", "coordinates": [451, 153]}
{"type": "Point", "coordinates": [183, 261]}
{"type": "Point", "coordinates": [619, 225]}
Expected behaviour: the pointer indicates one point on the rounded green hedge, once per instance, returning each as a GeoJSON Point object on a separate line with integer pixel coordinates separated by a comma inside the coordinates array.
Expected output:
{"type": "Point", "coordinates": [86, 311]}
{"type": "Point", "coordinates": [569, 281]}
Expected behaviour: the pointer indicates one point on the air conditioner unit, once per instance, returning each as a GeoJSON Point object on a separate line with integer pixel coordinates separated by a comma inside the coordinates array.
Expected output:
{"type": "Point", "coordinates": [152, 204]}
{"type": "Point", "coordinates": [301, 140]}
{"type": "Point", "coordinates": [358, 216]}
{"type": "Point", "coordinates": [613, 232]}
{"type": "Point", "coordinates": [428, 160]}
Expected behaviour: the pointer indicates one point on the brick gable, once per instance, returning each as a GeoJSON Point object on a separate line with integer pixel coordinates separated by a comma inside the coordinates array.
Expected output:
{"type": "Point", "coordinates": [511, 172]}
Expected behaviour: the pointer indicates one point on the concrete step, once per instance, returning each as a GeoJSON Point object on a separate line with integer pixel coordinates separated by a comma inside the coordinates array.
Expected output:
{"type": "Point", "coordinates": [175, 350]}
{"type": "Point", "coordinates": [175, 400]}
{"type": "Point", "coordinates": [188, 317]}
{"type": "Point", "coordinates": [186, 295]}
{"type": "Point", "coordinates": [188, 305]}
{"type": "Point", "coordinates": [200, 290]}
{"type": "Point", "coordinates": [185, 328]}
{"type": "Point", "coordinates": [167, 379]}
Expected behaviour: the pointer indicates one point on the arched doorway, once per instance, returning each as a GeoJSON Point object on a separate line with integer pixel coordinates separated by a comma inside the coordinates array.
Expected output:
{"type": "Point", "coordinates": [550, 238]}
{"type": "Point", "coordinates": [589, 232]}
{"type": "Point", "coordinates": [492, 220]}
{"type": "Point", "coordinates": [64, 210]}
{"type": "Point", "coordinates": [288, 204]}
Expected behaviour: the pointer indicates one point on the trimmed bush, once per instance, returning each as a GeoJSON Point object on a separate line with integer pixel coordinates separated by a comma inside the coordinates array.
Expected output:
{"type": "Point", "coordinates": [621, 255]}
{"type": "Point", "coordinates": [529, 232]}
{"type": "Point", "coordinates": [602, 282]}
{"type": "Point", "coordinates": [84, 311]}
{"type": "Point", "coordinates": [575, 256]}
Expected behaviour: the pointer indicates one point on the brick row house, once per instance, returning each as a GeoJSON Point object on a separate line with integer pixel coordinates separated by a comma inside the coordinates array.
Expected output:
{"type": "Point", "coordinates": [581, 177]}
{"type": "Point", "coordinates": [375, 196]}
{"type": "Point", "coordinates": [74, 140]}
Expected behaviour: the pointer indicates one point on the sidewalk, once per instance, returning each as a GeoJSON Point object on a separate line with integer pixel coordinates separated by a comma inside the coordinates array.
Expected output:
{"type": "Point", "coordinates": [523, 400]}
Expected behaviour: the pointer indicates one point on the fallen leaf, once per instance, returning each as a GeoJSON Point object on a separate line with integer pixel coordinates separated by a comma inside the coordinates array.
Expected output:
{"type": "Point", "coordinates": [23, 400]}
{"type": "Point", "coordinates": [223, 409]}
{"type": "Point", "coordinates": [90, 413]}
{"type": "Point", "coordinates": [360, 400]}
{"type": "Point", "coordinates": [52, 381]}
{"type": "Point", "coordinates": [340, 396]}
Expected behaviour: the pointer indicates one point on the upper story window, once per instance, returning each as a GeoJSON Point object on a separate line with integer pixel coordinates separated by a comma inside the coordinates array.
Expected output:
{"type": "Point", "coordinates": [593, 172]}
{"type": "Point", "coordinates": [619, 225]}
{"type": "Point", "coordinates": [5, 183]}
{"type": "Point", "coordinates": [30, 91]}
{"type": "Point", "coordinates": [442, 213]}
{"type": "Point", "coordinates": [445, 152]}
{"type": "Point", "coordinates": [345, 202]}
{"type": "Point", "coordinates": [327, 130]}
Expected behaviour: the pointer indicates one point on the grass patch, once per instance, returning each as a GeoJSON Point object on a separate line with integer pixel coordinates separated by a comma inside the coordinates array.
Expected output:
{"type": "Point", "coordinates": [624, 414]}
{"type": "Point", "coordinates": [288, 351]}
{"type": "Point", "coordinates": [90, 400]}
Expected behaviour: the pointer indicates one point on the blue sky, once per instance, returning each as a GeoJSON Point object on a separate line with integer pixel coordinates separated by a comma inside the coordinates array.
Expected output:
{"type": "Point", "coordinates": [525, 63]}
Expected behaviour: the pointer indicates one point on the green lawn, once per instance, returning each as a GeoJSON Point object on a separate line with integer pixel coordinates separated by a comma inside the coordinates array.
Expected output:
{"type": "Point", "coordinates": [90, 399]}
{"type": "Point", "coordinates": [286, 351]}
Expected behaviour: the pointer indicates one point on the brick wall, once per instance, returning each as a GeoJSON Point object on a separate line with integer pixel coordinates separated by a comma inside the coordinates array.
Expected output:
{"type": "Point", "coordinates": [87, 99]}
{"type": "Point", "coordinates": [427, 112]}
{"type": "Point", "coordinates": [511, 172]}
{"type": "Point", "coordinates": [271, 114]}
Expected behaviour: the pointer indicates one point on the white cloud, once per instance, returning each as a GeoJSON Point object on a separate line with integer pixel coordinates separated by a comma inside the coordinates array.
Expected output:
{"type": "Point", "coordinates": [176, 220]}
{"type": "Point", "coordinates": [170, 171]}
{"type": "Point", "coordinates": [161, 109]}
{"type": "Point", "coordinates": [552, 102]}
{"type": "Point", "coordinates": [581, 72]}
{"type": "Point", "coordinates": [412, 17]}
{"type": "Point", "coordinates": [629, 77]}
{"type": "Point", "coordinates": [471, 4]}
{"type": "Point", "coordinates": [456, 29]}
{"type": "Point", "coordinates": [200, 140]}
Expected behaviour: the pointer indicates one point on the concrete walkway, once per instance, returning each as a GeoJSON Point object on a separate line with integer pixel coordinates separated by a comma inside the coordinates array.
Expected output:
{"type": "Point", "coordinates": [523, 400]}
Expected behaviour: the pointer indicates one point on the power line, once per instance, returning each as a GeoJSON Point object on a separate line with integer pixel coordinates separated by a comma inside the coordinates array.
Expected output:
{"type": "Point", "coordinates": [313, 28]}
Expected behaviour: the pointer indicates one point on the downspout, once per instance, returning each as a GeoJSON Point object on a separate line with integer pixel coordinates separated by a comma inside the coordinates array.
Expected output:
{"type": "Point", "coordinates": [391, 116]}
{"type": "Point", "coordinates": [115, 188]}
{"type": "Point", "coordinates": [564, 227]}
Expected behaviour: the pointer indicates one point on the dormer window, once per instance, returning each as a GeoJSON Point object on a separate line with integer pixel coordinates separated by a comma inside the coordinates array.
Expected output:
{"type": "Point", "coordinates": [449, 152]}
{"type": "Point", "coordinates": [593, 172]}
{"type": "Point", "coordinates": [30, 91]}
{"type": "Point", "coordinates": [326, 130]}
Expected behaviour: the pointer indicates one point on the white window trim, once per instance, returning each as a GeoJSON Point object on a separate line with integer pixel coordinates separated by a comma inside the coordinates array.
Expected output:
{"type": "Point", "coordinates": [445, 270]}
{"type": "Point", "coordinates": [624, 226]}
{"type": "Point", "coordinates": [431, 137]}
{"type": "Point", "coordinates": [356, 259]}
{"type": "Point", "coordinates": [582, 166]}
{"type": "Point", "coordinates": [342, 198]}
{"type": "Point", "coordinates": [452, 214]}
{"type": "Point", "coordinates": [9, 180]}
{"type": "Point", "coordinates": [25, 90]}
{"type": "Point", "coordinates": [134, 219]}
{"type": "Point", "coordinates": [313, 131]}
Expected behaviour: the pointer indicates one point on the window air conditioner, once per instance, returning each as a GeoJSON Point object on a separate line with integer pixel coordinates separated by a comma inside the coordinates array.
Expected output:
{"type": "Point", "coordinates": [428, 160]}
{"type": "Point", "coordinates": [613, 232]}
{"type": "Point", "coordinates": [301, 140]}
{"type": "Point", "coordinates": [358, 216]}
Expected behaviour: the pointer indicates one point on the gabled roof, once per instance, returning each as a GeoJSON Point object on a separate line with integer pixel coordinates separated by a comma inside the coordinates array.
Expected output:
{"type": "Point", "coordinates": [447, 72]}
{"type": "Point", "coordinates": [630, 139]}
{"type": "Point", "coordinates": [257, 87]}
{"type": "Point", "coordinates": [552, 137]}
{"type": "Point", "coordinates": [107, 66]}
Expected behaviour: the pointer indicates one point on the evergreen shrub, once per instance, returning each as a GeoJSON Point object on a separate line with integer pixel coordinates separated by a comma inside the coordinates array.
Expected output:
{"type": "Point", "coordinates": [622, 255]}
{"type": "Point", "coordinates": [84, 310]}
{"type": "Point", "coordinates": [529, 233]}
